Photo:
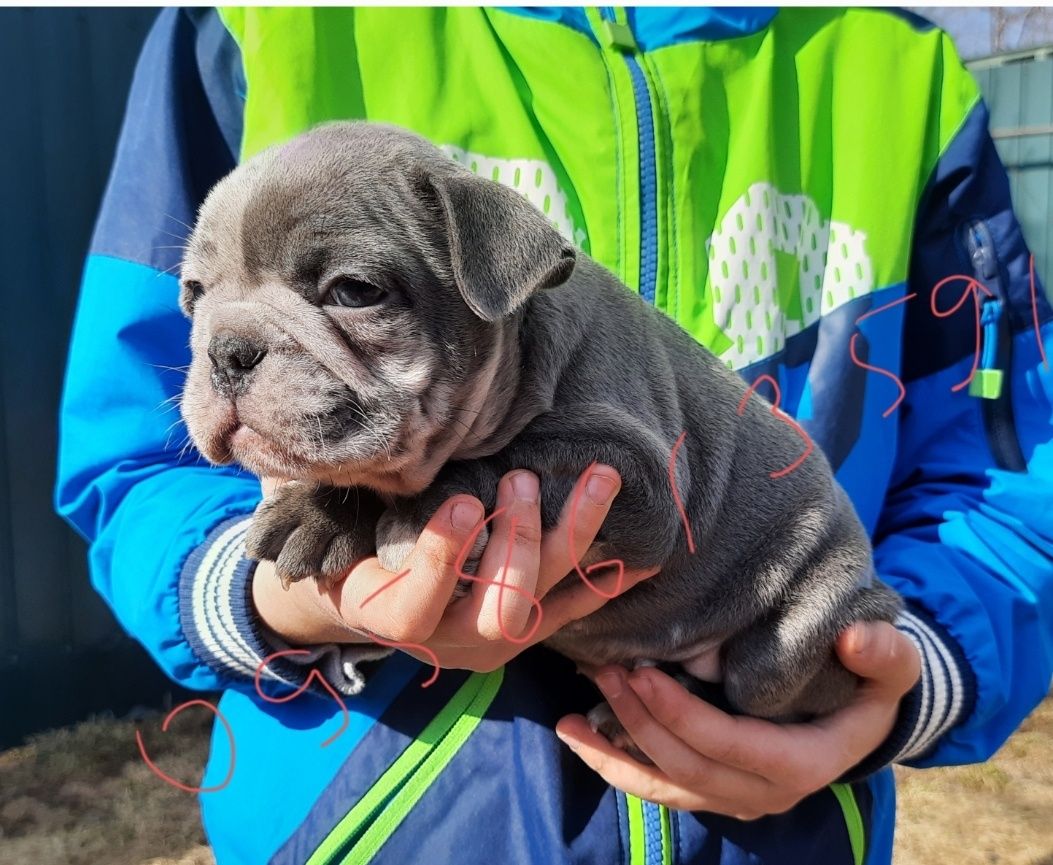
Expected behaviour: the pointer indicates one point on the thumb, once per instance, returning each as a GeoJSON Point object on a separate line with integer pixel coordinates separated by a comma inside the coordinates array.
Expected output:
{"type": "Point", "coordinates": [882, 655]}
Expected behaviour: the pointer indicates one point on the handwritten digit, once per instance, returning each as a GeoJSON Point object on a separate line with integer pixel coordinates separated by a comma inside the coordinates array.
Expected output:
{"type": "Point", "coordinates": [618, 563]}
{"type": "Point", "coordinates": [880, 369]}
{"type": "Point", "coordinates": [973, 287]}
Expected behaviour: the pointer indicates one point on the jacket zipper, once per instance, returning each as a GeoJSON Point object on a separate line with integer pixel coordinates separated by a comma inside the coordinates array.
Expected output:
{"type": "Point", "coordinates": [991, 382]}
{"type": "Point", "coordinates": [621, 36]}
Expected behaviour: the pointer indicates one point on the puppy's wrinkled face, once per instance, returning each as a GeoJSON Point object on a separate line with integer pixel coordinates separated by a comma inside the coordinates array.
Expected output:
{"type": "Point", "coordinates": [351, 293]}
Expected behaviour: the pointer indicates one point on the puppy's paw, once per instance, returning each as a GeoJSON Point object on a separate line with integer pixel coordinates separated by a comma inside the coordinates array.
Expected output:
{"type": "Point", "coordinates": [311, 531]}
{"type": "Point", "coordinates": [398, 533]}
{"type": "Point", "coordinates": [603, 720]}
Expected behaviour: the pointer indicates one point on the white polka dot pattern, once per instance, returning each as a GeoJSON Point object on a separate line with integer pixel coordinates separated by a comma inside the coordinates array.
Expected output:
{"type": "Point", "coordinates": [829, 259]}
{"type": "Point", "coordinates": [534, 179]}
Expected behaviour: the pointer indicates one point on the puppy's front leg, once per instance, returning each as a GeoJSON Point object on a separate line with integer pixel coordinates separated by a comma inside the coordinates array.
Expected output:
{"type": "Point", "coordinates": [316, 531]}
{"type": "Point", "coordinates": [400, 526]}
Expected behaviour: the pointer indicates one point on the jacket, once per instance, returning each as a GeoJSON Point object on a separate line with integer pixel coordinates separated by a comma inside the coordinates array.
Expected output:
{"type": "Point", "coordinates": [812, 193]}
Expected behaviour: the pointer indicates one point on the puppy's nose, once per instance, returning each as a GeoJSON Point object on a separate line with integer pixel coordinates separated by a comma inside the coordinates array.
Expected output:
{"type": "Point", "coordinates": [233, 358]}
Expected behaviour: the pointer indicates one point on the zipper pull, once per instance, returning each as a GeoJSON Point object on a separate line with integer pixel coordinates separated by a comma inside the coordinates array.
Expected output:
{"type": "Point", "coordinates": [987, 382]}
{"type": "Point", "coordinates": [618, 36]}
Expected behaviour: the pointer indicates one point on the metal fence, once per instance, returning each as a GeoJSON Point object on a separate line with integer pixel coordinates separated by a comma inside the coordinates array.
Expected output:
{"type": "Point", "coordinates": [64, 74]}
{"type": "Point", "coordinates": [64, 77]}
{"type": "Point", "coordinates": [1018, 89]}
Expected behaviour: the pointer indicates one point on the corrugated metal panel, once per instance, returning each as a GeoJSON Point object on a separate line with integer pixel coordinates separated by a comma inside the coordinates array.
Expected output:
{"type": "Point", "coordinates": [1020, 97]}
{"type": "Point", "coordinates": [64, 76]}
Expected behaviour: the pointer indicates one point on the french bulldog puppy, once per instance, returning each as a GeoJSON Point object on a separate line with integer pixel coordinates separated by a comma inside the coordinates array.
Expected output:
{"type": "Point", "coordinates": [375, 321]}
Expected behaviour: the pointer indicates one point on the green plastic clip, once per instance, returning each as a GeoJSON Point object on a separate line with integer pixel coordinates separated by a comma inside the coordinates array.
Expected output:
{"type": "Point", "coordinates": [986, 384]}
{"type": "Point", "coordinates": [619, 36]}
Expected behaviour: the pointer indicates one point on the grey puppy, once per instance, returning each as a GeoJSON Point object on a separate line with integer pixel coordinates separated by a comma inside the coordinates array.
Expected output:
{"type": "Point", "coordinates": [368, 314]}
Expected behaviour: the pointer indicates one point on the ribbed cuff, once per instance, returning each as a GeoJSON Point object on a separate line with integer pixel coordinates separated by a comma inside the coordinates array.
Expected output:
{"type": "Point", "coordinates": [220, 623]}
{"type": "Point", "coordinates": [945, 693]}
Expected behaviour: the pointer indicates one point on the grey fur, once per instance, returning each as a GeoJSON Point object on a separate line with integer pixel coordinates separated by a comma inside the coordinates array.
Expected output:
{"type": "Point", "coordinates": [499, 348]}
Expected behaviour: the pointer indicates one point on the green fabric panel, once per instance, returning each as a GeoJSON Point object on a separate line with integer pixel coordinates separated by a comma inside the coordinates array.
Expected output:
{"type": "Point", "coordinates": [667, 836]}
{"type": "Point", "coordinates": [465, 77]}
{"type": "Point", "coordinates": [824, 126]}
{"type": "Point", "coordinates": [846, 798]}
{"type": "Point", "coordinates": [355, 822]}
{"type": "Point", "coordinates": [388, 820]}
{"type": "Point", "coordinates": [851, 108]}
{"type": "Point", "coordinates": [637, 835]}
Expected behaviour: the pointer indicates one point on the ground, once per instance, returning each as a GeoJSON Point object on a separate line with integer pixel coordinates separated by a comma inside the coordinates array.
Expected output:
{"type": "Point", "coordinates": [84, 796]}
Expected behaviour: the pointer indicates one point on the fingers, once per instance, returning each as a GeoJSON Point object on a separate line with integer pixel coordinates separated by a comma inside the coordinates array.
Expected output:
{"type": "Point", "coordinates": [882, 655]}
{"type": "Point", "coordinates": [749, 744]}
{"type": "Point", "coordinates": [579, 600]}
{"type": "Point", "coordinates": [270, 485]}
{"type": "Point", "coordinates": [681, 762]}
{"type": "Point", "coordinates": [583, 515]}
{"type": "Point", "coordinates": [407, 607]}
{"type": "Point", "coordinates": [503, 594]}
{"type": "Point", "coordinates": [651, 783]}
{"type": "Point", "coordinates": [890, 665]}
{"type": "Point", "coordinates": [784, 762]}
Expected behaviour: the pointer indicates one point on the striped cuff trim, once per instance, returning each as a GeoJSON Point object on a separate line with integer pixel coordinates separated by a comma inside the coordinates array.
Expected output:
{"type": "Point", "coordinates": [223, 629]}
{"type": "Point", "coordinates": [215, 603]}
{"type": "Point", "coordinates": [946, 685]}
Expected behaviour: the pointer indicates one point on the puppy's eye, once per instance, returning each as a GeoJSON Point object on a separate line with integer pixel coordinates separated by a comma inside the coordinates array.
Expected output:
{"type": "Point", "coordinates": [345, 291]}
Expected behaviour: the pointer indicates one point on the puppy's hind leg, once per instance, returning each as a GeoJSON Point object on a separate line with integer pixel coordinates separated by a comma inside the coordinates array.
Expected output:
{"type": "Point", "coordinates": [784, 667]}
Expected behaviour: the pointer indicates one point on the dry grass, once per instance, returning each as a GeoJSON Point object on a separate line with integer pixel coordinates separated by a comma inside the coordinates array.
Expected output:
{"type": "Point", "coordinates": [83, 796]}
{"type": "Point", "coordinates": [994, 813]}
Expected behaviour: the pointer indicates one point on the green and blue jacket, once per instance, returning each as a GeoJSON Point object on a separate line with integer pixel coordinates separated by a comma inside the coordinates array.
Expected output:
{"type": "Point", "coordinates": [812, 194]}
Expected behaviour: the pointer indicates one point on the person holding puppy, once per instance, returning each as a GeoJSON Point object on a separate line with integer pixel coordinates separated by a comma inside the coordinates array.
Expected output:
{"type": "Point", "coordinates": [809, 193]}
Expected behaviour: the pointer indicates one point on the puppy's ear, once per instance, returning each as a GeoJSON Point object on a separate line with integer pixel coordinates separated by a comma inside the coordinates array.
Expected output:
{"type": "Point", "coordinates": [502, 249]}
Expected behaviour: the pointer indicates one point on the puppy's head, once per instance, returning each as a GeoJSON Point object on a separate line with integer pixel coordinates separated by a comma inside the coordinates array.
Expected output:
{"type": "Point", "coordinates": [351, 293]}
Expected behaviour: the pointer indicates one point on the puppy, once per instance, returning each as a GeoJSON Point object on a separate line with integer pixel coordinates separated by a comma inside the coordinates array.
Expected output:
{"type": "Point", "coordinates": [374, 320]}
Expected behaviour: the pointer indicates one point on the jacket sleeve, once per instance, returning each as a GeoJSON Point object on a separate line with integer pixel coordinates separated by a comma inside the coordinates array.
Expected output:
{"type": "Point", "coordinates": [966, 533]}
{"type": "Point", "coordinates": [165, 530]}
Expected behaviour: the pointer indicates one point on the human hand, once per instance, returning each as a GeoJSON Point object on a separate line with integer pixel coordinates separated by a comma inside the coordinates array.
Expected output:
{"type": "Point", "coordinates": [487, 627]}
{"type": "Point", "coordinates": [708, 760]}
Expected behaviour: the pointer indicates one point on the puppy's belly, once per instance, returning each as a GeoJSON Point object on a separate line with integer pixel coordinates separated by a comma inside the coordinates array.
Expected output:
{"type": "Point", "coordinates": [705, 665]}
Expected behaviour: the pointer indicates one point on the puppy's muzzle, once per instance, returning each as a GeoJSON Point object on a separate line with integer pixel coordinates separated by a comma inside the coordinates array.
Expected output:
{"type": "Point", "coordinates": [234, 357]}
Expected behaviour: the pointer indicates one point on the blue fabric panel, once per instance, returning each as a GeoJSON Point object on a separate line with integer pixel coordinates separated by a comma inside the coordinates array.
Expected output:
{"type": "Point", "coordinates": [514, 793]}
{"type": "Point", "coordinates": [812, 833]}
{"type": "Point", "coordinates": [968, 183]}
{"type": "Point", "coordinates": [281, 767]}
{"type": "Point", "coordinates": [882, 817]}
{"type": "Point", "coordinates": [122, 481]}
{"type": "Point", "coordinates": [973, 545]}
{"type": "Point", "coordinates": [658, 26]}
{"type": "Point", "coordinates": [569, 16]}
{"type": "Point", "coordinates": [402, 721]}
{"type": "Point", "coordinates": [838, 403]}
{"type": "Point", "coordinates": [184, 137]}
